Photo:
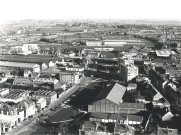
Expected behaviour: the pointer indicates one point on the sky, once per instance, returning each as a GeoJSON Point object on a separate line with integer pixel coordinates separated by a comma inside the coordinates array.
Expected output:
{"type": "Point", "coordinates": [90, 9]}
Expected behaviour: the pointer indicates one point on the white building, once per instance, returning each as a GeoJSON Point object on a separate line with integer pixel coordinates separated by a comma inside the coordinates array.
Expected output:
{"type": "Point", "coordinates": [44, 66]}
{"type": "Point", "coordinates": [29, 48]}
{"type": "Point", "coordinates": [127, 69]}
{"type": "Point", "coordinates": [52, 64]}
{"type": "Point", "coordinates": [93, 43]}
{"type": "Point", "coordinates": [75, 68]}
{"type": "Point", "coordinates": [126, 61]}
{"type": "Point", "coordinates": [9, 117]}
{"type": "Point", "coordinates": [167, 116]}
{"type": "Point", "coordinates": [163, 53]}
{"type": "Point", "coordinates": [128, 72]}
{"type": "Point", "coordinates": [69, 77]}
{"type": "Point", "coordinates": [4, 91]}
{"type": "Point", "coordinates": [41, 103]}
{"type": "Point", "coordinates": [27, 73]}
{"type": "Point", "coordinates": [28, 107]}
{"type": "Point", "coordinates": [6, 65]}
{"type": "Point", "coordinates": [114, 42]}
{"type": "Point", "coordinates": [49, 96]}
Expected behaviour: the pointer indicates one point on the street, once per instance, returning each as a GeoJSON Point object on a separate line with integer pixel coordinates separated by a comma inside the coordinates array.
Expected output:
{"type": "Point", "coordinates": [23, 127]}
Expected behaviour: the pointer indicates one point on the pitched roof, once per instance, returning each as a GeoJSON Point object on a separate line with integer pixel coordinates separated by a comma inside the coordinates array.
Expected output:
{"type": "Point", "coordinates": [169, 124]}
{"type": "Point", "coordinates": [22, 79]}
{"type": "Point", "coordinates": [135, 118]}
{"type": "Point", "coordinates": [89, 125]}
{"type": "Point", "coordinates": [134, 49]}
{"type": "Point", "coordinates": [8, 108]}
{"type": "Point", "coordinates": [112, 92]}
{"type": "Point", "coordinates": [65, 114]}
{"type": "Point", "coordinates": [145, 49]}
{"type": "Point", "coordinates": [108, 54]}
{"type": "Point", "coordinates": [117, 93]}
{"type": "Point", "coordinates": [122, 128]}
{"type": "Point", "coordinates": [165, 131]}
{"type": "Point", "coordinates": [25, 103]}
{"type": "Point", "coordinates": [58, 85]}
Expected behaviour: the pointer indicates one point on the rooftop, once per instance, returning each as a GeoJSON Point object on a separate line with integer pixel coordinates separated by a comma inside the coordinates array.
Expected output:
{"type": "Point", "coordinates": [55, 71]}
{"type": "Point", "coordinates": [163, 53]}
{"type": "Point", "coordinates": [65, 114]}
{"type": "Point", "coordinates": [17, 64]}
{"type": "Point", "coordinates": [113, 93]}
{"type": "Point", "coordinates": [137, 106]}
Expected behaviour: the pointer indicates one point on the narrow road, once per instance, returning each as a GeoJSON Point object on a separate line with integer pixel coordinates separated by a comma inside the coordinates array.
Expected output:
{"type": "Point", "coordinates": [62, 98]}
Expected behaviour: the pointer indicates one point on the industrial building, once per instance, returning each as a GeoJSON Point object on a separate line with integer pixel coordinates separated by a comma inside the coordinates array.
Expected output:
{"type": "Point", "coordinates": [9, 66]}
{"type": "Point", "coordinates": [108, 100]}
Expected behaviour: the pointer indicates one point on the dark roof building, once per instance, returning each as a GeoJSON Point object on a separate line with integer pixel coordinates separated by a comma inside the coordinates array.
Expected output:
{"type": "Point", "coordinates": [107, 101]}
{"type": "Point", "coordinates": [64, 115]}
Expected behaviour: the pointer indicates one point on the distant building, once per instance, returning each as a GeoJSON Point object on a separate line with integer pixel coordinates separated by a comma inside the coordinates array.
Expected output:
{"type": "Point", "coordinates": [50, 96]}
{"type": "Point", "coordinates": [51, 64]}
{"type": "Point", "coordinates": [163, 53]}
{"type": "Point", "coordinates": [45, 50]}
{"type": "Point", "coordinates": [114, 42]}
{"type": "Point", "coordinates": [22, 81]}
{"type": "Point", "coordinates": [44, 66]}
{"type": "Point", "coordinates": [75, 68]}
{"type": "Point", "coordinates": [15, 96]}
{"type": "Point", "coordinates": [30, 48]}
{"type": "Point", "coordinates": [94, 43]}
{"type": "Point", "coordinates": [106, 49]}
{"type": "Point", "coordinates": [123, 42]}
{"type": "Point", "coordinates": [128, 72]}
{"type": "Point", "coordinates": [28, 73]}
{"type": "Point", "coordinates": [44, 79]}
{"type": "Point", "coordinates": [125, 61]}
{"type": "Point", "coordinates": [69, 77]}
{"type": "Point", "coordinates": [17, 65]}
{"type": "Point", "coordinates": [63, 76]}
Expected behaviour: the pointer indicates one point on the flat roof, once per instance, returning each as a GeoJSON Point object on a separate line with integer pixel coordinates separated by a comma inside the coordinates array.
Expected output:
{"type": "Point", "coordinates": [163, 53]}
{"type": "Point", "coordinates": [17, 64]}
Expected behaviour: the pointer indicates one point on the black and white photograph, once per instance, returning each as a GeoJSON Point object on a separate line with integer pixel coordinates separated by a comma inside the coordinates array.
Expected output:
{"type": "Point", "coordinates": [90, 67]}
